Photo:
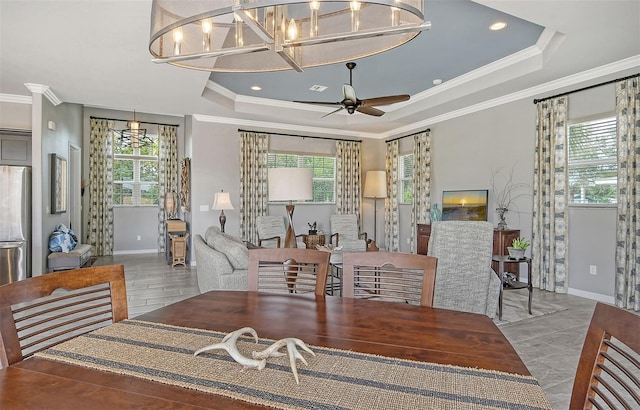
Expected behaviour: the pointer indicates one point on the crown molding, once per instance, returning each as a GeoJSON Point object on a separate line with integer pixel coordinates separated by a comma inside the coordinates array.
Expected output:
{"type": "Point", "coordinates": [549, 87]}
{"type": "Point", "coordinates": [16, 99]}
{"type": "Point", "coordinates": [283, 126]}
{"type": "Point", "coordinates": [45, 90]}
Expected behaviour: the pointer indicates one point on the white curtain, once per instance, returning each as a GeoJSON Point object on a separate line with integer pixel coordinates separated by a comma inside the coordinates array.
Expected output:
{"type": "Point", "coordinates": [100, 223]}
{"type": "Point", "coordinates": [391, 216]}
{"type": "Point", "coordinates": [421, 183]}
{"type": "Point", "coordinates": [254, 195]}
{"type": "Point", "coordinates": [550, 212]}
{"type": "Point", "coordinates": [348, 182]}
{"type": "Point", "coordinates": [627, 285]}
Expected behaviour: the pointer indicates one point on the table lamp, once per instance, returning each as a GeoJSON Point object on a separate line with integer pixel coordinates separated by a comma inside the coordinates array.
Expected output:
{"type": "Point", "coordinates": [222, 201]}
{"type": "Point", "coordinates": [375, 186]}
{"type": "Point", "coordinates": [290, 184]}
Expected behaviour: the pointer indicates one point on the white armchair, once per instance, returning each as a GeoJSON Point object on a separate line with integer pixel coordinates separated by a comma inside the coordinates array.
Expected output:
{"type": "Point", "coordinates": [271, 232]}
{"type": "Point", "coordinates": [345, 233]}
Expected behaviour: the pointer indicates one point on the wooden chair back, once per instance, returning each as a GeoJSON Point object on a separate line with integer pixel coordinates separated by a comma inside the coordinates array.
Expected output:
{"type": "Point", "coordinates": [42, 311]}
{"type": "Point", "coordinates": [608, 374]}
{"type": "Point", "coordinates": [290, 270]}
{"type": "Point", "coordinates": [389, 276]}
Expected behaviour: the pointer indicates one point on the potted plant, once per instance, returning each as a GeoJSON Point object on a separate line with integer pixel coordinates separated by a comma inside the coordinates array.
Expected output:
{"type": "Point", "coordinates": [518, 248]}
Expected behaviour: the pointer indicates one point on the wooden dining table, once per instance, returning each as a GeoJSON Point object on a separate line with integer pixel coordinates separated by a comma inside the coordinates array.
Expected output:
{"type": "Point", "coordinates": [381, 328]}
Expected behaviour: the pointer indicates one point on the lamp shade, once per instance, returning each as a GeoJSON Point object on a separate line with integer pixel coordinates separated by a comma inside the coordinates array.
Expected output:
{"type": "Point", "coordinates": [221, 201]}
{"type": "Point", "coordinates": [290, 184]}
{"type": "Point", "coordinates": [375, 184]}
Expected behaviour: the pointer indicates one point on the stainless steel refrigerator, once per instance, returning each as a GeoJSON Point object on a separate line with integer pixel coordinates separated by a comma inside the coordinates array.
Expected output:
{"type": "Point", "coordinates": [15, 223]}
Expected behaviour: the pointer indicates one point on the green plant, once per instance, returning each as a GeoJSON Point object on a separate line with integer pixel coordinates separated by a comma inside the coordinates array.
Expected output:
{"type": "Point", "coordinates": [520, 243]}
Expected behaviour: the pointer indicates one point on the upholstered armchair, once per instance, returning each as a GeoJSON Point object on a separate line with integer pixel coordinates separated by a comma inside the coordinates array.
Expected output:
{"type": "Point", "coordinates": [464, 280]}
{"type": "Point", "coordinates": [271, 232]}
{"type": "Point", "coordinates": [345, 233]}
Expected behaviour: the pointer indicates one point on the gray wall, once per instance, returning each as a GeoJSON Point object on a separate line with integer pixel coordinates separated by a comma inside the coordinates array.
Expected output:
{"type": "Point", "coordinates": [68, 130]}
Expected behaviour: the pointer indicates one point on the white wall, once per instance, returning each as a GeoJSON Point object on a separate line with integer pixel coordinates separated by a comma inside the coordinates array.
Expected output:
{"type": "Point", "coordinates": [15, 116]}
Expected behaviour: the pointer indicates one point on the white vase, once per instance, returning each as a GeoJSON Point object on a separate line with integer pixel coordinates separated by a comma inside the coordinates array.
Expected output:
{"type": "Point", "coordinates": [516, 253]}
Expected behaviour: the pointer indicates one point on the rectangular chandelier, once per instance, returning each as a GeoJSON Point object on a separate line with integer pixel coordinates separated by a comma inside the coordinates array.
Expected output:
{"type": "Point", "coordinates": [271, 35]}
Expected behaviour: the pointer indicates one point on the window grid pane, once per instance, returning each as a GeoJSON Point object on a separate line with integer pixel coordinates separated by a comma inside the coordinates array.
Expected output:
{"type": "Point", "coordinates": [405, 178]}
{"type": "Point", "coordinates": [323, 171]}
{"type": "Point", "coordinates": [593, 168]}
{"type": "Point", "coordinates": [135, 173]}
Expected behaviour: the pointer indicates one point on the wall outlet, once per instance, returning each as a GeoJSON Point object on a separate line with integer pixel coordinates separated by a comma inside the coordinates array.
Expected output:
{"type": "Point", "coordinates": [139, 237]}
{"type": "Point", "coordinates": [204, 208]}
{"type": "Point", "coordinates": [593, 269]}
{"type": "Point", "coordinates": [408, 241]}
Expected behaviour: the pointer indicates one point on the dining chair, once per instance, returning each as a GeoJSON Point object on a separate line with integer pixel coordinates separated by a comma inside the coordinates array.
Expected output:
{"type": "Point", "coordinates": [345, 233]}
{"type": "Point", "coordinates": [288, 270]}
{"type": "Point", "coordinates": [465, 279]}
{"type": "Point", "coordinates": [389, 276]}
{"type": "Point", "coordinates": [608, 374]}
{"type": "Point", "coordinates": [42, 311]}
{"type": "Point", "coordinates": [272, 232]}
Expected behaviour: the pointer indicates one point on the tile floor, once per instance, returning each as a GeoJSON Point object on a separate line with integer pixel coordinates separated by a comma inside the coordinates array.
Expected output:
{"type": "Point", "coordinates": [549, 345]}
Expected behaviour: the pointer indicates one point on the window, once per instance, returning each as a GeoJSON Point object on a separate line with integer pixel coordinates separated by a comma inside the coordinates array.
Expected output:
{"type": "Point", "coordinates": [593, 168]}
{"type": "Point", "coordinates": [135, 174]}
{"type": "Point", "coordinates": [405, 178]}
{"type": "Point", "coordinates": [324, 172]}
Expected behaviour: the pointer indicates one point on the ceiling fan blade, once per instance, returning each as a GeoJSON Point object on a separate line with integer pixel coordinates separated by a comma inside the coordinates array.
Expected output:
{"type": "Point", "coordinates": [333, 112]}
{"type": "Point", "coordinates": [319, 102]}
{"type": "Point", "coordinates": [349, 93]}
{"type": "Point", "coordinates": [389, 99]}
{"type": "Point", "coordinates": [370, 111]}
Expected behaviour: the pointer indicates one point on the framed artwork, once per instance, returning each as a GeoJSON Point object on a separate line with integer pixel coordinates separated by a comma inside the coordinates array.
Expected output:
{"type": "Point", "coordinates": [467, 205]}
{"type": "Point", "coordinates": [58, 184]}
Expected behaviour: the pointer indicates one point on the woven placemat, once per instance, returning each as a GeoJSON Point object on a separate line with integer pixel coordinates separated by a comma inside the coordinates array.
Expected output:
{"type": "Point", "coordinates": [333, 379]}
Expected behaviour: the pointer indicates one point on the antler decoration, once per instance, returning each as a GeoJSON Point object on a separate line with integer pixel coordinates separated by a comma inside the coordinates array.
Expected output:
{"type": "Point", "coordinates": [260, 358]}
{"type": "Point", "coordinates": [229, 344]}
{"type": "Point", "coordinates": [294, 354]}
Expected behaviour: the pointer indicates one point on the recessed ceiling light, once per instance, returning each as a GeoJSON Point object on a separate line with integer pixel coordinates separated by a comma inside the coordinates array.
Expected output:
{"type": "Point", "coordinates": [437, 81]}
{"type": "Point", "coordinates": [256, 88]}
{"type": "Point", "coordinates": [499, 25]}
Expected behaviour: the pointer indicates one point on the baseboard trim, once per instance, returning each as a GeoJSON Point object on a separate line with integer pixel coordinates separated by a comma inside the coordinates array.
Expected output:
{"type": "Point", "coordinates": [136, 251]}
{"type": "Point", "coordinates": [592, 295]}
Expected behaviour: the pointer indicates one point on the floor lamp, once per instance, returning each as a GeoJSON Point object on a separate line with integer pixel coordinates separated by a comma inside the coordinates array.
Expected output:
{"type": "Point", "coordinates": [375, 186]}
{"type": "Point", "coordinates": [290, 184]}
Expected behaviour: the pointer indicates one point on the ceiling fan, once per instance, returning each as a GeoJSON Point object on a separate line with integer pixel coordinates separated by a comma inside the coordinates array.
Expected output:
{"type": "Point", "coordinates": [351, 103]}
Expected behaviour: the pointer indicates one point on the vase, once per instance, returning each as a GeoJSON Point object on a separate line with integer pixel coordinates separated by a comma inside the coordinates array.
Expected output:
{"type": "Point", "coordinates": [435, 214]}
{"type": "Point", "coordinates": [502, 225]}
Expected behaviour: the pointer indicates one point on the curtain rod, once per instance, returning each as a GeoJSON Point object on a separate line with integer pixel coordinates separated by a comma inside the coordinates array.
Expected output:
{"type": "Point", "coordinates": [405, 136]}
{"type": "Point", "coordinates": [537, 100]}
{"type": "Point", "coordinates": [143, 122]}
{"type": "Point", "coordinates": [301, 136]}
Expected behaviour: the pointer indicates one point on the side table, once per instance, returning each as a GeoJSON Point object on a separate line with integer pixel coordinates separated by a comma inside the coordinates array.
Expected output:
{"type": "Point", "coordinates": [501, 259]}
{"type": "Point", "coordinates": [312, 240]}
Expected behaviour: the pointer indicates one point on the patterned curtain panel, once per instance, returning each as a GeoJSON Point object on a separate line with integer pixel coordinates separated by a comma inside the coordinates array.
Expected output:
{"type": "Point", "coordinates": [550, 212]}
{"type": "Point", "coordinates": [348, 189]}
{"type": "Point", "coordinates": [627, 291]}
{"type": "Point", "coordinates": [391, 218]}
{"type": "Point", "coordinates": [421, 182]}
{"type": "Point", "coordinates": [100, 224]}
{"type": "Point", "coordinates": [254, 195]}
{"type": "Point", "coordinates": [167, 175]}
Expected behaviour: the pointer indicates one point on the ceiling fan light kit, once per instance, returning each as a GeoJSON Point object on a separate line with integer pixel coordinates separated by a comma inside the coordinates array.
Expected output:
{"type": "Point", "coordinates": [271, 35]}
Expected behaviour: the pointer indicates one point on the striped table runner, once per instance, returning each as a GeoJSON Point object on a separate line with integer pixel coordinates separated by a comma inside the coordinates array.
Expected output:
{"type": "Point", "coordinates": [334, 379]}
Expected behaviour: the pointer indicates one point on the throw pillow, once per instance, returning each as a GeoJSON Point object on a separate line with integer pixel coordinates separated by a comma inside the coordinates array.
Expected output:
{"type": "Point", "coordinates": [236, 252]}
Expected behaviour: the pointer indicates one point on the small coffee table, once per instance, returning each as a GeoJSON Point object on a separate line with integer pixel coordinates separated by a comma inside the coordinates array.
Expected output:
{"type": "Point", "coordinates": [501, 259]}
